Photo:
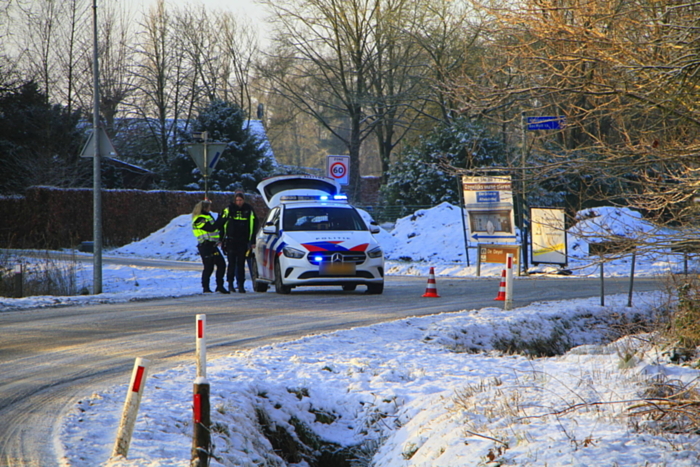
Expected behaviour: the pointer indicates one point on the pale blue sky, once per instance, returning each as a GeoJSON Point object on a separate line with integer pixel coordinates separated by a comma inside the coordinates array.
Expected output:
{"type": "Point", "coordinates": [249, 8]}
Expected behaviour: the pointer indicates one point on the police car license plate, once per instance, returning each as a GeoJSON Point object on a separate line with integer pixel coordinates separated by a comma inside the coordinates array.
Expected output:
{"type": "Point", "coordinates": [337, 269]}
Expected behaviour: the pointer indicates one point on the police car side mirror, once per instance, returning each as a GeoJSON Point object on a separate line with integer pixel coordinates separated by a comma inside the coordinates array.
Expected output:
{"type": "Point", "coordinates": [270, 229]}
{"type": "Point", "coordinates": [374, 228]}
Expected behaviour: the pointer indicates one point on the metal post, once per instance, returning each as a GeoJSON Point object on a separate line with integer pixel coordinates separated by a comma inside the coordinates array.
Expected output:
{"type": "Point", "coordinates": [602, 284]}
{"type": "Point", "coordinates": [523, 203]}
{"type": "Point", "coordinates": [478, 260]}
{"type": "Point", "coordinates": [201, 436]}
{"type": "Point", "coordinates": [629, 296]}
{"type": "Point", "coordinates": [460, 189]}
{"type": "Point", "coordinates": [97, 165]}
{"type": "Point", "coordinates": [19, 281]}
{"type": "Point", "coordinates": [205, 135]}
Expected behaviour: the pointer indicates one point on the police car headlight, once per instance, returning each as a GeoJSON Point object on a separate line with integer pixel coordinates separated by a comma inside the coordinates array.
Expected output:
{"type": "Point", "coordinates": [375, 252]}
{"type": "Point", "coordinates": [290, 252]}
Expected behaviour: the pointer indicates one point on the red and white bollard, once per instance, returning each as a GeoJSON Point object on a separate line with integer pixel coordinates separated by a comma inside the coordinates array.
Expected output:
{"type": "Point", "coordinates": [201, 410]}
{"type": "Point", "coordinates": [509, 282]}
{"type": "Point", "coordinates": [201, 422]}
{"type": "Point", "coordinates": [201, 348]}
{"type": "Point", "coordinates": [131, 407]}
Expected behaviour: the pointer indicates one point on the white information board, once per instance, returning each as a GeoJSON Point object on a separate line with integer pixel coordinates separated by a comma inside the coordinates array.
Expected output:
{"type": "Point", "coordinates": [489, 205]}
{"type": "Point", "coordinates": [548, 236]}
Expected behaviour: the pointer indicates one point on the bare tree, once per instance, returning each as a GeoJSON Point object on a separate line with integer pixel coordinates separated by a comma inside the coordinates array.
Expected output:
{"type": "Point", "coordinates": [74, 60]}
{"type": "Point", "coordinates": [8, 59]}
{"type": "Point", "coordinates": [420, 46]}
{"type": "Point", "coordinates": [160, 80]}
{"type": "Point", "coordinates": [117, 54]}
{"type": "Point", "coordinates": [621, 74]}
{"type": "Point", "coordinates": [241, 51]}
{"type": "Point", "coordinates": [397, 75]}
{"type": "Point", "coordinates": [41, 22]}
{"type": "Point", "coordinates": [221, 49]}
{"type": "Point", "coordinates": [326, 47]}
{"type": "Point", "coordinates": [201, 44]}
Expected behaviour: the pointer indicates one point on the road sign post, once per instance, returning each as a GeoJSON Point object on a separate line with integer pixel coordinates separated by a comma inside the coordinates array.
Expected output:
{"type": "Point", "coordinates": [555, 122]}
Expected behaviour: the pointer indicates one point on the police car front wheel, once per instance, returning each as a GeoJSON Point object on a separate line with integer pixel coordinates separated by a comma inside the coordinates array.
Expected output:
{"type": "Point", "coordinates": [279, 285]}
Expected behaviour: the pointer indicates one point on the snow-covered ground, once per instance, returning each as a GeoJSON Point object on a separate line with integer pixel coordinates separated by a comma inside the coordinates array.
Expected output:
{"type": "Point", "coordinates": [423, 391]}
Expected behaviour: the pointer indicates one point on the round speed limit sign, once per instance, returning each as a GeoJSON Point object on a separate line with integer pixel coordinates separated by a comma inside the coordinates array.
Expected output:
{"type": "Point", "coordinates": [338, 168]}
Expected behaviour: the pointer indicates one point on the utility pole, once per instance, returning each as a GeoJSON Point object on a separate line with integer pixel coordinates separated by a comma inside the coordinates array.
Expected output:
{"type": "Point", "coordinates": [97, 165]}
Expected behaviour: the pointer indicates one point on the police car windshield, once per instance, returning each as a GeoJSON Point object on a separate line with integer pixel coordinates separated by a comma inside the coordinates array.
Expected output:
{"type": "Point", "coordinates": [322, 218]}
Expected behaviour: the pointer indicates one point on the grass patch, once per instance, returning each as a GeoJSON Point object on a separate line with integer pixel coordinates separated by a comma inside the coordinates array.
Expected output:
{"type": "Point", "coordinates": [668, 406]}
{"type": "Point", "coordinates": [45, 275]}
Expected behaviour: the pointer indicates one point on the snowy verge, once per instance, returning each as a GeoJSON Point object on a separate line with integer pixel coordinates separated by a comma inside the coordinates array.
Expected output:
{"type": "Point", "coordinates": [403, 394]}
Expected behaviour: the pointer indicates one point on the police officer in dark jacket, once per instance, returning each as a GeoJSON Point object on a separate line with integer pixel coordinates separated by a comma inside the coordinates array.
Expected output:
{"type": "Point", "coordinates": [208, 234]}
{"type": "Point", "coordinates": [239, 232]}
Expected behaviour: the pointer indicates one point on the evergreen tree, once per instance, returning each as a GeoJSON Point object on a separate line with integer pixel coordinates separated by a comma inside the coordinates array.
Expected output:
{"type": "Point", "coordinates": [243, 163]}
{"type": "Point", "coordinates": [417, 179]}
{"type": "Point", "coordinates": [39, 142]}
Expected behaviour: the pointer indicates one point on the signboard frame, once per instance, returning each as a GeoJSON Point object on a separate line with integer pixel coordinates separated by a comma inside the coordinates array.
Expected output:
{"type": "Point", "coordinates": [488, 202]}
{"type": "Point", "coordinates": [548, 243]}
{"type": "Point", "coordinates": [336, 163]}
{"type": "Point", "coordinates": [495, 253]}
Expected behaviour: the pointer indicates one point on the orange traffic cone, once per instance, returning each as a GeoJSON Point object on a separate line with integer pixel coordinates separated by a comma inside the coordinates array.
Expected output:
{"type": "Point", "coordinates": [431, 290]}
{"type": "Point", "coordinates": [502, 287]}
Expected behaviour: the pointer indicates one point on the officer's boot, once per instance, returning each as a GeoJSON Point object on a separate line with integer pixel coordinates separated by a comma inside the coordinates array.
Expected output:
{"type": "Point", "coordinates": [220, 288]}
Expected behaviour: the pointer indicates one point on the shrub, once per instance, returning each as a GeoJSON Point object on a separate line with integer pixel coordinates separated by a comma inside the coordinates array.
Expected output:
{"type": "Point", "coordinates": [684, 325]}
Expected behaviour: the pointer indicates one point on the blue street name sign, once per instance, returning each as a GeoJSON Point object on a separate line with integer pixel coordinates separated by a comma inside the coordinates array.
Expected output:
{"type": "Point", "coordinates": [545, 123]}
{"type": "Point", "coordinates": [488, 197]}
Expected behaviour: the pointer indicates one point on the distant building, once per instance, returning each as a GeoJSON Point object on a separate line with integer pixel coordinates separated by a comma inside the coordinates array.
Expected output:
{"type": "Point", "coordinates": [132, 176]}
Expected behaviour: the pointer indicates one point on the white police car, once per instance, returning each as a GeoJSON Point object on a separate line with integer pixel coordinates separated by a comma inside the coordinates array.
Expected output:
{"type": "Point", "coordinates": [312, 236]}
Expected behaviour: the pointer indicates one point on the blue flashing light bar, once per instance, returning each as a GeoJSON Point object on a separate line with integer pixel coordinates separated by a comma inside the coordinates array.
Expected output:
{"type": "Point", "coordinates": [314, 198]}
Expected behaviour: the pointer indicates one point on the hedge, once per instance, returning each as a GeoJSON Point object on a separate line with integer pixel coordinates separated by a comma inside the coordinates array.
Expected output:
{"type": "Point", "coordinates": [51, 218]}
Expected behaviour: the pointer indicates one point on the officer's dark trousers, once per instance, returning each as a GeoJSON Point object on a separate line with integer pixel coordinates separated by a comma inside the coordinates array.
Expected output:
{"type": "Point", "coordinates": [211, 257]}
{"type": "Point", "coordinates": [235, 251]}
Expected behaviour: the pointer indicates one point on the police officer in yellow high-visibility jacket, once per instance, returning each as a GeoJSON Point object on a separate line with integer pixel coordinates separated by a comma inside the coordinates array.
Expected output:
{"type": "Point", "coordinates": [239, 233]}
{"type": "Point", "coordinates": [207, 231]}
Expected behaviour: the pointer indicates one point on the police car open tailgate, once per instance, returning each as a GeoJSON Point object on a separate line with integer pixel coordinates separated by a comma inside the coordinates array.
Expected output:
{"type": "Point", "coordinates": [272, 189]}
